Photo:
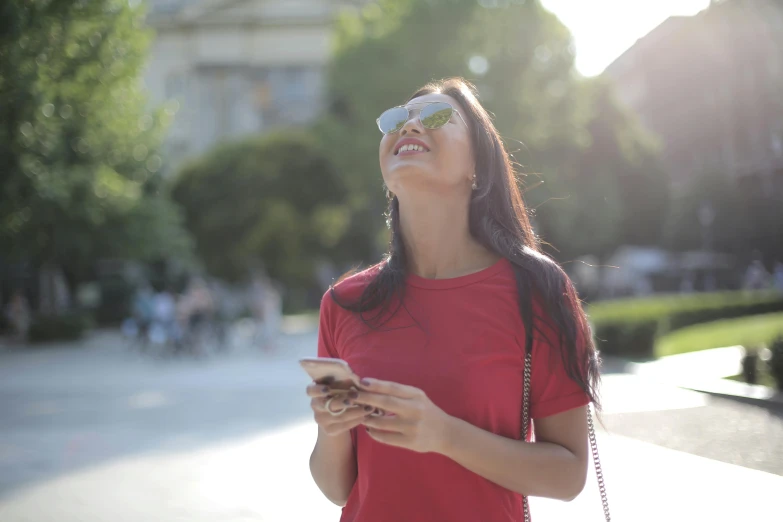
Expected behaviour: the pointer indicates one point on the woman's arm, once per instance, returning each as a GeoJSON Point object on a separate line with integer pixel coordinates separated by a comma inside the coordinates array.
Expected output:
{"type": "Point", "coordinates": [333, 466]}
{"type": "Point", "coordinates": [555, 466]}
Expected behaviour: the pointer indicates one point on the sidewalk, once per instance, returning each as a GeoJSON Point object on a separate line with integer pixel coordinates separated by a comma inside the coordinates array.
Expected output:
{"type": "Point", "coordinates": [105, 434]}
{"type": "Point", "coordinates": [705, 371]}
{"type": "Point", "coordinates": [266, 478]}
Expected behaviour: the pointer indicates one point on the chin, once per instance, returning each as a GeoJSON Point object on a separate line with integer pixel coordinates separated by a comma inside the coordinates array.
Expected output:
{"type": "Point", "coordinates": [406, 174]}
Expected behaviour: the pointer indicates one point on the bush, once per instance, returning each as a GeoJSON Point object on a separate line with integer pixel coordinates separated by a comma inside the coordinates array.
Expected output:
{"type": "Point", "coordinates": [275, 199]}
{"type": "Point", "coordinates": [711, 312]}
{"type": "Point", "coordinates": [630, 327]}
{"type": "Point", "coordinates": [775, 363]}
{"type": "Point", "coordinates": [627, 338]}
{"type": "Point", "coordinates": [66, 327]}
{"type": "Point", "coordinates": [116, 300]}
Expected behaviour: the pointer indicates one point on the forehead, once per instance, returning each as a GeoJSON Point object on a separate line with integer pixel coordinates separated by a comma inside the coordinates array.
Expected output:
{"type": "Point", "coordinates": [420, 101]}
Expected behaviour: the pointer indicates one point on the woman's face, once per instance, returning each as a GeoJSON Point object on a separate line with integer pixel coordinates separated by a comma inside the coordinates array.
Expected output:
{"type": "Point", "coordinates": [446, 163]}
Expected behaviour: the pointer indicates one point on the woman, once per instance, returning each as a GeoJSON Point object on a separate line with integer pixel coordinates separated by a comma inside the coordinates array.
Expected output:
{"type": "Point", "coordinates": [439, 330]}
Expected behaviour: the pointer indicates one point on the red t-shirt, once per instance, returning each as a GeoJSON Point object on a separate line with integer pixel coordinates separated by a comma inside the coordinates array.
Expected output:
{"type": "Point", "coordinates": [461, 341]}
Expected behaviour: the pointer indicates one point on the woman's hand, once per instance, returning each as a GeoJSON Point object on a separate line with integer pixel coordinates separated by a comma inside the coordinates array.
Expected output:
{"type": "Point", "coordinates": [334, 425]}
{"type": "Point", "coordinates": [412, 420]}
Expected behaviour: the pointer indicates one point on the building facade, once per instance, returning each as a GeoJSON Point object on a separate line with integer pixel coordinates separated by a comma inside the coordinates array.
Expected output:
{"type": "Point", "coordinates": [711, 87]}
{"type": "Point", "coordinates": [237, 67]}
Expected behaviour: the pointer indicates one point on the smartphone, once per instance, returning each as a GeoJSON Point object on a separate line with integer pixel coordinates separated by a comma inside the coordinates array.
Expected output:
{"type": "Point", "coordinates": [334, 372]}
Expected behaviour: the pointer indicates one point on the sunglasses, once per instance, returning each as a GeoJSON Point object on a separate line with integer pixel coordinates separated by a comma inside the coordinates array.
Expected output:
{"type": "Point", "coordinates": [433, 116]}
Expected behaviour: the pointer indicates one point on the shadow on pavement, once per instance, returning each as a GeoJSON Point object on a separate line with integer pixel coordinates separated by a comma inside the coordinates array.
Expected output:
{"type": "Point", "coordinates": [78, 409]}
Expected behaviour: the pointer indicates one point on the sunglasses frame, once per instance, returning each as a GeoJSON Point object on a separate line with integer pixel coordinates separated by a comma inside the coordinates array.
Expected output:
{"type": "Point", "coordinates": [408, 117]}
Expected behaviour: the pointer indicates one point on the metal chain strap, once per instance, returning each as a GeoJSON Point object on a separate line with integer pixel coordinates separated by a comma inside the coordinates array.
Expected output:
{"type": "Point", "coordinates": [591, 433]}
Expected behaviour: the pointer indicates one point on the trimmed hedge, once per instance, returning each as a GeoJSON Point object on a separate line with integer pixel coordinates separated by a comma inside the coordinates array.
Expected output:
{"type": "Point", "coordinates": [629, 327]}
{"type": "Point", "coordinates": [775, 363]}
{"type": "Point", "coordinates": [69, 326]}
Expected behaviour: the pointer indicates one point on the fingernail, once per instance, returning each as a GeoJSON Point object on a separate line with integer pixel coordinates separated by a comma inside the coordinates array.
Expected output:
{"type": "Point", "coordinates": [368, 408]}
{"type": "Point", "coordinates": [325, 389]}
{"type": "Point", "coordinates": [353, 395]}
{"type": "Point", "coordinates": [366, 382]}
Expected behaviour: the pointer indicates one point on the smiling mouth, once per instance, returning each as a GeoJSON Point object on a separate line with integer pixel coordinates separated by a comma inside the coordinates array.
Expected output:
{"type": "Point", "coordinates": [410, 149]}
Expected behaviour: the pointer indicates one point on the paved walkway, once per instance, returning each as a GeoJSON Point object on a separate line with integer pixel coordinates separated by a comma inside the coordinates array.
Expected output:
{"type": "Point", "coordinates": [96, 433]}
{"type": "Point", "coordinates": [706, 371]}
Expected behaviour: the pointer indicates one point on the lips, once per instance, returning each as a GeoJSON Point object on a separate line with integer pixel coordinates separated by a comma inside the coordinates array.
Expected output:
{"type": "Point", "coordinates": [410, 146]}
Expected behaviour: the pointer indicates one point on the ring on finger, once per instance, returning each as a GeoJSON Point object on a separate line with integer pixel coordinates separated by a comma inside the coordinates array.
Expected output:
{"type": "Point", "coordinates": [330, 410]}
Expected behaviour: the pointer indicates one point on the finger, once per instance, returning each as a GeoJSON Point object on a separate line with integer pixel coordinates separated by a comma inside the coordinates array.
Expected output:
{"type": "Point", "coordinates": [346, 422]}
{"type": "Point", "coordinates": [318, 390]}
{"type": "Point", "coordinates": [322, 404]}
{"type": "Point", "coordinates": [394, 389]}
{"type": "Point", "coordinates": [393, 439]}
{"type": "Point", "coordinates": [336, 404]}
{"type": "Point", "coordinates": [392, 424]}
{"type": "Point", "coordinates": [384, 402]}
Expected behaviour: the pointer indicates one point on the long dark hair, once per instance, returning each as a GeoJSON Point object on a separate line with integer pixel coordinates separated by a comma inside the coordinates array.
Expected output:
{"type": "Point", "coordinates": [499, 221]}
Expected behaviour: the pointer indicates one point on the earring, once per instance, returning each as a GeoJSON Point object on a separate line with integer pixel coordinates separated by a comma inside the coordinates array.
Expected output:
{"type": "Point", "coordinates": [474, 186]}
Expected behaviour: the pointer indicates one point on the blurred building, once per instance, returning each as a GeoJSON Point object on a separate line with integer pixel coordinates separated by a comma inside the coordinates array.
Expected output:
{"type": "Point", "coordinates": [236, 67]}
{"type": "Point", "coordinates": [710, 87]}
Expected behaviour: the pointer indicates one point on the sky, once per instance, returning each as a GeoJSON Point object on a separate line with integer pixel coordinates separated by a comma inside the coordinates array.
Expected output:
{"type": "Point", "coordinates": [604, 29]}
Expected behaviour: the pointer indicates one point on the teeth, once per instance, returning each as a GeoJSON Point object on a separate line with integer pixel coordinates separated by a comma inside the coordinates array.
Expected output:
{"type": "Point", "coordinates": [406, 148]}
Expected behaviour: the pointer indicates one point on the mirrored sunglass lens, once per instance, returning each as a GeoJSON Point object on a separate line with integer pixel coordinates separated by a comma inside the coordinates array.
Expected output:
{"type": "Point", "coordinates": [392, 120]}
{"type": "Point", "coordinates": [436, 115]}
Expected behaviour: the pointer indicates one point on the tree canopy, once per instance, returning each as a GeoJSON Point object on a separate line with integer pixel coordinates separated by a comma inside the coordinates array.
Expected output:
{"type": "Point", "coordinates": [598, 167]}
{"type": "Point", "coordinates": [273, 200]}
{"type": "Point", "coordinates": [79, 162]}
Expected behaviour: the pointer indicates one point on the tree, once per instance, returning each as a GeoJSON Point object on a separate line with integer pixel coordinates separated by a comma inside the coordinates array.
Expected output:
{"type": "Point", "coordinates": [612, 186]}
{"type": "Point", "coordinates": [273, 200]}
{"type": "Point", "coordinates": [79, 169]}
{"type": "Point", "coordinates": [521, 58]}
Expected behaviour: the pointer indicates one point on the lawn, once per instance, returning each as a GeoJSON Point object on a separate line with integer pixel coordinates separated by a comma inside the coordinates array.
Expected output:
{"type": "Point", "coordinates": [745, 331]}
{"type": "Point", "coordinates": [663, 305]}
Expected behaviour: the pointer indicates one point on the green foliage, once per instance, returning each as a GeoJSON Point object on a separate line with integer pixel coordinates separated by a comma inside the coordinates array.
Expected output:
{"type": "Point", "coordinates": [630, 327]}
{"type": "Point", "coordinates": [599, 169]}
{"type": "Point", "coordinates": [775, 363]}
{"type": "Point", "coordinates": [627, 338]}
{"type": "Point", "coordinates": [274, 199]}
{"type": "Point", "coordinates": [78, 149]}
{"type": "Point", "coordinates": [69, 326]}
{"type": "Point", "coordinates": [116, 300]}
{"type": "Point", "coordinates": [748, 331]}
{"type": "Point", "coordinates": [613, 186]}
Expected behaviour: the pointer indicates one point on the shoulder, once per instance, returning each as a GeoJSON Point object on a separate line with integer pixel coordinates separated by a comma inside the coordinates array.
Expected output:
{"type": "Point", "coordinates": [349, 287]}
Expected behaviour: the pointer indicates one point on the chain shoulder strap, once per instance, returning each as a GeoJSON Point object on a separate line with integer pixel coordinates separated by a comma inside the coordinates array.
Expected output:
{"type": "Point", "coordinates": [591, 434]}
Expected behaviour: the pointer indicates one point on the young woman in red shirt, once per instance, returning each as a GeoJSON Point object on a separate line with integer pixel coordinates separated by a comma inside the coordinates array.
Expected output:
{"type": "Point", "coordinates": [439, 331]}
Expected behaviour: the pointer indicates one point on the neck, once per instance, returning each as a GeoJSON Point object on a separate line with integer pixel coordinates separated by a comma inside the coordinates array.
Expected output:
{"type": "Point", "coordinates": [437, 238]}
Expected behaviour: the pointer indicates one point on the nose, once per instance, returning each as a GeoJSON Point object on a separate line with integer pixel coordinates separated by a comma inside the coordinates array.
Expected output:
{"type": "Point", "coordinates": [412, 125]}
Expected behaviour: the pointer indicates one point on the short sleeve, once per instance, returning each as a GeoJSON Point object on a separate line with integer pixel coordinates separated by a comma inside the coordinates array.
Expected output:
{"type": "Point", "coordinates": [551, 390]}
{"type": "Point", "coordinates": [326, 346]}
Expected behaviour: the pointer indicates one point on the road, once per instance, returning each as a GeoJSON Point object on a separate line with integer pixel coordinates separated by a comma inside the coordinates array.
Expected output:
{"type": "Point", "coordinates": [95, 432]}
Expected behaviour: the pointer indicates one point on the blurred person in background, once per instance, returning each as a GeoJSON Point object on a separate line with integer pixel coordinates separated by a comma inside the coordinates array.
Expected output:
{"type": "Point", "coordinates": [440, 331]}
{"type": "Point", "coordinates": [778, 276]}
{"type": "Point", "coordinates": [196, 315]}
{"type": "Point", "coordinates": [142, 312]}
{"type": "Point", "coordinates": [164, 328]}
{"type": "Point", "coordinates": [756, 276]}
{"type": "Point", "coordinates": [266, 303]}
{"type": "Point", "coordinates": [19, 315]}
{"type": "Point", "coordinates": [195, 306]}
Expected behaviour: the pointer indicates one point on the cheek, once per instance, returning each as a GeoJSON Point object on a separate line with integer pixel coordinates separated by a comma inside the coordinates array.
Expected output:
{"type": "Point", "coordinates": [458, 155]}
